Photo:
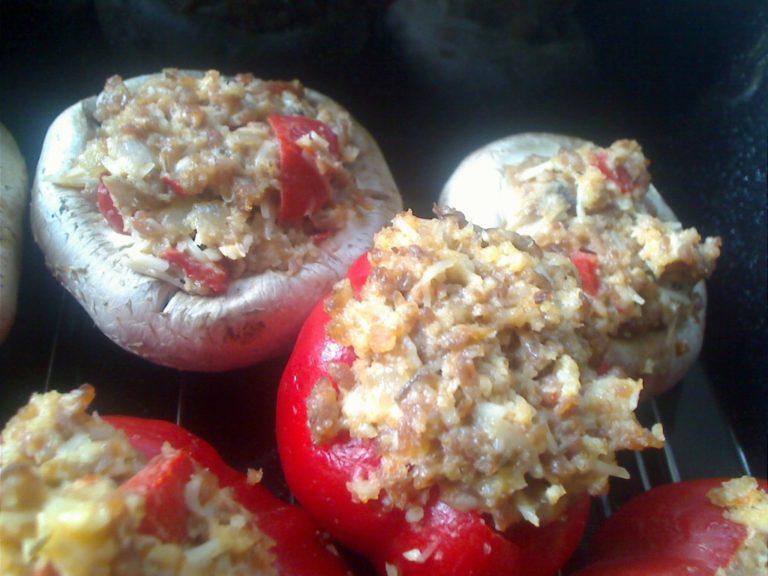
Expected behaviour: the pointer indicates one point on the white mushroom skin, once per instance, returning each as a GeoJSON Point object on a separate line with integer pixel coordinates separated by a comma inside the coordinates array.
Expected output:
{"type": "Point", "coordinates": [13, 197]}
{"type": "Point", "coordinates": [480, 189]}
{"type": "Point", "coordinates": [255, 319]}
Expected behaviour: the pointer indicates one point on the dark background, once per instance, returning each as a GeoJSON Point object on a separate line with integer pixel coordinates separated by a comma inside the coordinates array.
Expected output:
{"type": "Point", "coordinates": [686, 79]}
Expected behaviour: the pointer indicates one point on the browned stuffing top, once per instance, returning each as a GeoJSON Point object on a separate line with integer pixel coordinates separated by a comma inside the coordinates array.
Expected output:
{"type": "Point", "coordinates": [474, 374]}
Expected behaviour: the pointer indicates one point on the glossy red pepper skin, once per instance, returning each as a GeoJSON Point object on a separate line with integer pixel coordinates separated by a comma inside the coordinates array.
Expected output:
{"type": "Point", "coordinates": [302, 549]}
{"type": "Point", "coordinates": [671, 530]}
{"type": "Point", "coordinates": [304, 189]}
{"type": "Point", "coordinates": [444, 541]}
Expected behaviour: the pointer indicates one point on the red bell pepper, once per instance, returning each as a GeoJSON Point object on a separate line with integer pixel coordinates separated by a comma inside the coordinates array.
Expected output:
{"type": "Point", "coordinates": [302, 549]}
{"type": "Point", "coordinates": [175, 187]}
{"type": "Point", "coordinates": [444, 541]}
{"type": "Point", "coordinates": [619, 175]}
{"type": "Point", "coordinates": [212, 276]}
{"type": "Point", "coordinates": [108, 209]}
{"type": "Point", "coordinates": [671, 530]}
{"type": "Point", "coordinates": [161, 482]}
{"type": "Point", "coordinates": [304, 188]}
{"type": "Point", "coordinates": [587, 267]}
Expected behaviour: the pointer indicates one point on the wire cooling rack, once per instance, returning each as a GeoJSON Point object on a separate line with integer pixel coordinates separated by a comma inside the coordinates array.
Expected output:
{"type": "Point", "coordinates": [56, 346]}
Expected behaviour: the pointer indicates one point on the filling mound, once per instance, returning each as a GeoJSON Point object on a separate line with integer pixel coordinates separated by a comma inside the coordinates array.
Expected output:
{"type": "Point", "coordinates": [475, 375]}
{"type": "Point", "coordinates": [73, 504]}
{"type": "Point", "coordinates": [637, 263]}
{"type": "Point", "coordinates": [218, 178]}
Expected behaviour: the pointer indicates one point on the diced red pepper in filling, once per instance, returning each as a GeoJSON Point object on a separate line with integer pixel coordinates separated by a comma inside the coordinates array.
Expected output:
{"type": "Point", "coordinates": [212, 276]}
{"type": "Point", "coordinates": [301, 548]}
{"type": "Point", "coordinates": [603, 368]}
{"type": "Point", "coordinates": [619, 175]}
{"type": "Point", "coordinates": [108, 209]}
{"type": "Point", "coordinates": [321, 237]}
{"type": "Point", "coordinates": [304, 188]}
{"type": "Point", "coordinates": [161, 482]}
{"type": "Point", "coordinates": [586, 265]}
{"type": "Point", "coordinates": [175, 186]}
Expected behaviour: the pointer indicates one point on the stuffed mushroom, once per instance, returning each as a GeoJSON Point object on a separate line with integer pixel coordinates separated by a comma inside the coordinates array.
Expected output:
{"type": "Point", "coordinates": [642, 272]}
{"type": "Point", "coordinates": [198, 217]}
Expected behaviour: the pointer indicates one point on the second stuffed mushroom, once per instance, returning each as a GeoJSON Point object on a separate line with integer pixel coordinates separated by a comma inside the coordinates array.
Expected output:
{"type": "Point", "coordinates": [642, 272]}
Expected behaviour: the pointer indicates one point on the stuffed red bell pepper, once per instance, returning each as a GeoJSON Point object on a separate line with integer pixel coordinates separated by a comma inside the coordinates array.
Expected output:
{"type": "Point", "coordinates": [85, 495]}
{"type": "Point", "coordinates": [704, 527]}
{"type": "Point", "coordinates": [441, 412]}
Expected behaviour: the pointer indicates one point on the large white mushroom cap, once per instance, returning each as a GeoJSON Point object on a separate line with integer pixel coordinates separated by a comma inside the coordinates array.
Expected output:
{"type": "Point", "coordinates": [256, 318]}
